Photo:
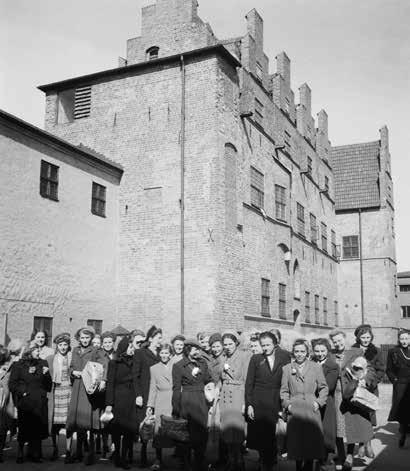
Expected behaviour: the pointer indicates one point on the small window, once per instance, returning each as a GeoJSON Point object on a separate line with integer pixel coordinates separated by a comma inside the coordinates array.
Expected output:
{"type": "Point", "coordinates": [404, 288]}
{"type": "Point", "coordinates": [282, 301]}
{"type": "Point", "coordinates": [152, 53]}
{"type": "Point", "coordinates": [45, 324]}
{"type": "Point", "coordinates": [258, 112]}
{"type": "Point", "coordinates": [351, 247]}
{"type": "Point", "coordinates": [405, 312]}
{"type": "Point", "coordinates": [280, 202]}
{"type": "Point", "coordinates": [307, 307]}
{"type": "Point", "coordinates": [82, 102]}
{"type": "Point", "coordinates": [324, 236]}
{"type": "Point", "coordinates": [96, 324]}
{"type": "Point", "coordinates": [257, 188]}
{"type": "Point", "coordinates": [334, 248]}
{"type": "Point", "coordinates": [336, 314]}
{"type": "Point", "coordinates": [300, 216]}
{"type": "Point", "coordinates": [265, 304]}
{"type": "Point", "coordinates": [317, 315]}
{"type": "Point", "coordinates": [259, 71]}
{"type": "Point", "coordinates": [98, 200]}
{"type": "Point", "coordinates": [325, 320]}
{"type": "Point", "coordinates": [313, 229]}
{"type": "Point", "coordinates": [49, 181]}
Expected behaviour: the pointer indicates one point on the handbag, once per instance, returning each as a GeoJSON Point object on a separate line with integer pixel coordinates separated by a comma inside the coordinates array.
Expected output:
{"type": "Point", "coordinates": [106, 418]}
{"type": "Point", "coordinates": [92, 375]}
{"type": "Point", "coordinates": [147, 428]}
{"type": "Point", "coordinates": [364, 398]}
{"type": "Point", "coordinates": [210, 392]}
{"type": "Point", "coordinates": [175, 429]}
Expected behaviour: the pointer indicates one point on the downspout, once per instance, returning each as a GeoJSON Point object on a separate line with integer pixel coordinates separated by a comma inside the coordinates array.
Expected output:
{"type": "Point", "coordinates": [361, 265]}
{"type": "Point", "coordinates": [182, 196]}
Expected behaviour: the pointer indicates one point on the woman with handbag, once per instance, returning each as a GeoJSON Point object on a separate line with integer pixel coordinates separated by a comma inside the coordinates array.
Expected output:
{"type": "Point", "coordinates": [30, 381]}
{"type": "Point", "coordinates": [304, 392]}
{"type": "Point", "coordinates": [120, 401]}
{"type": "Point", "coordinates": [61, 392]}
{"type": "Point", "coordinates": [398, 371]}
{"type": "Point", "coordinates": [84, 409]}
{"type": "Point", "coordinates": [356, 377]}
{"type": "Point", "coordinates": [189, 378]}
{"type": "Point", "coordinates": [160, 400]}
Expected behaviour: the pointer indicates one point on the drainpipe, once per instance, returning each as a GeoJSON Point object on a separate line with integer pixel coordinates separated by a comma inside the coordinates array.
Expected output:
{"type": "Point", "coordinates": [182, 197]}
{"type": "Point", "coordinates": [361, 264]}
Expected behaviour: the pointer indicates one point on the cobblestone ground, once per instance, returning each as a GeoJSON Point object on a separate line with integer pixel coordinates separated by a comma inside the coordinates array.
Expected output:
{"type": "Point", "coordinates": [388, 456]}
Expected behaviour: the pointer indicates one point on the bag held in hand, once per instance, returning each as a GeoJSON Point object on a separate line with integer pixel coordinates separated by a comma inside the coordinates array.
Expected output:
{"type": "Point", "coordinates": [175, 429]}
{"type": "Point", "coordinates": [92, 375]}
{"type": "Point", "coordinates": [364, 398]}
{"type": "Point", "coordinates": [147, 428]}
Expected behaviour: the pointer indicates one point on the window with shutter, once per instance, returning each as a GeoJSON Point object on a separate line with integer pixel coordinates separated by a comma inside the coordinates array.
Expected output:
{"type": "Point", "coordinates": [49, 180]}
{"type": "Point", "coordinates": [280, 202]}
{"type": "Point", "coordinates": [265, 306]}
{"type": "Point", "coordinates": [282, 301]}
{"type": "Point", "coordinates": [82, 102]}
{"type": "Point", "coordinates": [257, 188]}
{"type": "Point", "coordinates": [98, 200]}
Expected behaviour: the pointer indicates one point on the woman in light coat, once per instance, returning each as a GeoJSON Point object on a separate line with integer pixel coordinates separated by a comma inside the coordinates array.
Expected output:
{"type": "Point", "coordinates": [303, 392]}
{"type": "Point", "coordinates": [160, 399]}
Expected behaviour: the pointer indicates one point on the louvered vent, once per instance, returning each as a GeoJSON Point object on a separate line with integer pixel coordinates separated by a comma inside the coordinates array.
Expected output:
{"type": "Point", "coordinates": [82, 102]}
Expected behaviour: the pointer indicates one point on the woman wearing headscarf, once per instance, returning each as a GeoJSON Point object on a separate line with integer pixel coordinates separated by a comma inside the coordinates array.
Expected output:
{"type": "Point", "coordinates": [303, 392]}
{"type": "Point", "coordinates": [160, 399]}
{"type": "Point", "coordinates": [262, 398]}
{"type": "Point", "coordinates": [83, 412]}
{"type": "Point", "coordinates": [39, 338]}
{"type": "Point", "coordinates": [120, 400]}
{"type": "Point", "coordinates": [30, 381]}
{"type": "Point", "coordinates": [398, 371]}
{"type": "Point", "coordinates": [232, 399]}
{"type": "Point", "coordinates": [321, 355]}
{"type": "Point", "coordinates": [61, 391]}
{"type": "Point", "coordinates": [189, 377]}
{"type": "Point", "coordinates": [144, 358]}
{"type": "Point", "coordinates": [357, 418]}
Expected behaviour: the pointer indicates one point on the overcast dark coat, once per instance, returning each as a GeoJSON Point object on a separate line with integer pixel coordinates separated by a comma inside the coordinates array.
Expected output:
{"type": "Point", "coordinates": [398, 372]}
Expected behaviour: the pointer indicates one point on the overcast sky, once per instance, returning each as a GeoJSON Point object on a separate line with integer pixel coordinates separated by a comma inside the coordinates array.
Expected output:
{"type": "Point", "coordinates": [355, 55]}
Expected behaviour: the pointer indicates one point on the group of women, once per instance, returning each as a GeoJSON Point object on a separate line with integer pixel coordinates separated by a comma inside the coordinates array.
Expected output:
{"type": "Point", "coordinates": [229, 394]}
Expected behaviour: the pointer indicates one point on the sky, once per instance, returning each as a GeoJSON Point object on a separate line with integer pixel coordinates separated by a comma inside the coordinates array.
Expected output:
{"type": "Point", "coordinates": [355, 55]}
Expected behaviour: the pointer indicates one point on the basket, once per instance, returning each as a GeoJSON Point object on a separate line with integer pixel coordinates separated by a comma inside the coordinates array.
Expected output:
{"type": "Point", "coordinates": [175, 429]}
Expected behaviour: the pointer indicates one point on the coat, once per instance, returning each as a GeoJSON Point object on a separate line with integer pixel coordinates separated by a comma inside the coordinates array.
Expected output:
{"type": "Point", "coordinates": [358, 422]}
{"type": "Point", "coordinates": [144, 358]}
{"type": "Point", "coordinates": [262, 392]}
{"type": "Point", "coordinates": [30, 397]}
{"type": "Point", "coordinates": [84, 409]}
{"type": "Point", "coordinates": [398, 372]}
{"type": "Point", "coordinates": [328, 412]}
{"type": "Point", "coordinates": [232, 397]}
{"type": "Point", "coordinates": [121, 395]}
{"type": "Point", "coordinates": [299, 390]}
{"type": "Point", "coordinates": [188, 397]}
{"type": "Point", "coordinates": [6, 402]}
{"type": "Point", "coordinates": [160, 399]}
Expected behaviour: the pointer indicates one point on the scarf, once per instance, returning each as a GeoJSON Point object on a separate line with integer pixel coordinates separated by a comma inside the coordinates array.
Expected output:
{"type": "Point", "coordinates": [58, 363]}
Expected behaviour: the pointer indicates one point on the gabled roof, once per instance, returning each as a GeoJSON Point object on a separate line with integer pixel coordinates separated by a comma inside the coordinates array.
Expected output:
{"type": "Point", "coordinates": [356, 172]}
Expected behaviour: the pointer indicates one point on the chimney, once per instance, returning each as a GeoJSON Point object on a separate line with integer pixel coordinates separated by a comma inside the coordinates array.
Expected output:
{"type": "Point", "coordinates": [255, 27]}
{"type": "Point", "coordinates": [322, 123]}
{"type": "Point", "coordinates": [384, 137]}
{"type": "Point", "coordinates": [305, 94]}
{"type": "Point", "coordinates": [283, 67]}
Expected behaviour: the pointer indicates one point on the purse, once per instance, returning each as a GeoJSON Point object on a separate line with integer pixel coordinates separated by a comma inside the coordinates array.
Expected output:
{"type": "Point", "coordinates": [210, 392]}
{"type": "Point", "coordinates": [175, 429]}
{"type": "Point", "coordinates": [92, 375]}
{"type": "Point", "coordinates": [364, 398]}
{"type": "Point", "coordinates": [147, 429]}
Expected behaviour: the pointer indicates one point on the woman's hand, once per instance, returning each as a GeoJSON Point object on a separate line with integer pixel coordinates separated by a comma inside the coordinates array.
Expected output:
{"type": "Point", "coordinates": [108, 409]}
{"type": "Point", "coordinates": [315, 406]}
{"type": "Point", "coordinates": [76, 374]}
{"type": "Point", "coordinates": [251, 413]}
{"type": "Point", "coordinates": [32, 369]}
{"type": "Point", "coordinates": [101, 386]}
{"type": "Point", "coordinates": [149, 411]}
{"type": "Point", "coordinates": [139, 401]}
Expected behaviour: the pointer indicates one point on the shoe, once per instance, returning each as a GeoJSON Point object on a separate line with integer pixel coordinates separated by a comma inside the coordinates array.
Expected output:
{"type": "Point", "coordinates": [369, 451]}
{"type": "Point", "coordinates": [362, 451]}
{"type": "Point", "coordinates": [69, 459]}
{"type": "Point", "coordinates": [402, 440]}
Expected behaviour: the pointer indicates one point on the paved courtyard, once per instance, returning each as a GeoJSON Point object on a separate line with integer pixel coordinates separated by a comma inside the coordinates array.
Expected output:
{"type": "Point", "coordinates": [388, 456]}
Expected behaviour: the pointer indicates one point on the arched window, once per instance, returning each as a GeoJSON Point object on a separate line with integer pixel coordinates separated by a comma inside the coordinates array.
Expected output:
{"type": "Point", "coordinates": [152, 53]}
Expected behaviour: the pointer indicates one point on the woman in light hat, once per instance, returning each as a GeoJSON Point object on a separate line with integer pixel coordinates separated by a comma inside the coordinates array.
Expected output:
{"type": "Point", "coordinates": [232, 398]}
{"type": "Point", "coordinates": [83, 413]}
{"type": "Point", "coordinates": [61, 391]}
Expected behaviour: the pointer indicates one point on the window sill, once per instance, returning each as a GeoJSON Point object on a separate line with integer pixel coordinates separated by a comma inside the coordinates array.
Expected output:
{"type": "Point", "coordinates": [99, 215]}
{"type": "Point", "coordinates": [269, 319]}
{"type": "Point", "coordinates": [49, 198]}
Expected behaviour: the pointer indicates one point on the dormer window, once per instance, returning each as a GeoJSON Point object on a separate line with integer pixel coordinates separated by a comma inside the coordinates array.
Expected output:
{"type": "Point", "coordinates": [152, 53]}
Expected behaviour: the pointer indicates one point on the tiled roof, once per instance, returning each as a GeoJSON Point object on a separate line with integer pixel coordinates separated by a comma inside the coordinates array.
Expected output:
{"type": "Point", "coordinates": [356, 171]}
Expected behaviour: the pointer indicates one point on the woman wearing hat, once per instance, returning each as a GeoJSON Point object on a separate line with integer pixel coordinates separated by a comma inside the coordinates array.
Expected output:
{"type": "Point", "coordinates": [144, 358]}
{"type": "Point", "coordinates": [61, 391]}
{"type": "Point", "coordinates": [30, 381]}
{"type": "Point", "coordinates": [357, 419]}
{"type": "Point", "coordinates": [232, 399]}
{"type": "Point", "coordinates": [189, 377]}
{"type": "Point", "coordinates": [83, 412]}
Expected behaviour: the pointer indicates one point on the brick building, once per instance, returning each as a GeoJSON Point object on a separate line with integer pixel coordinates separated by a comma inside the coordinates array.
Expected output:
{"type": "Point", "coordinates": [403, 280]}
{"type": "Point", "coordinates": [58, 220]}
{"type": "Point", "coordinates": [367, 275]}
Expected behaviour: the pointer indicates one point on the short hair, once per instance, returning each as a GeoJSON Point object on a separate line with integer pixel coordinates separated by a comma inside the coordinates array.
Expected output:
{"type": "Point", "coordinates": [363, 329]}
{"type": "Point", "coordinates": [301, 342]}
{"type": "Point", "coordinates": [28, 351]}
{"type": "Point", "coordinates": [166, 346]}
{"type": "Point", "coordinates": [228, 335]}
{"type": "Point", "coordinates": [187, 349]}
{"type": "Point", "coordinates": [321, 341]}
{"type": "Point", "coordinates": [110, 335]}
{"type": "Point", "coordinates": [36, 331]}
{"type": "Point", "coordinates": [136, 332]}
{"type": "Point", "coordinates": [269, 335]}
{"type": "Point", "coordinates": [202, 335]}
{"type": "Point", "coordinates": [277, 333]}
{"type": "Point", "coordinates": [255, 337]}
{"type": "Point", "coordinates": [335, 332]}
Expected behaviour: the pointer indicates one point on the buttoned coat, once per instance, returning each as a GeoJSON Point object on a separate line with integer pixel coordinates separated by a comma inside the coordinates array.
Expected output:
{"type": "Point", "coordinates": [398, 371]}
{"type": "Point", "coordinates": [299, 390]}
{"type": "Point", "coordinates": [232, 397]}
{"type": "Point", "coordinates": [160, 399]}
{"type": "Point", "coordinates": [144, 358]}
{"type": "Point", "coordinates": [262, 392]}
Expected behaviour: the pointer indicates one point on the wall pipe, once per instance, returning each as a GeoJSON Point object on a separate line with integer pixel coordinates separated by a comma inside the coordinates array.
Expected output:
{"type": "Point", "coordinates": [361, 265]}
{"type": "Point", "coordinates": [182, 196]}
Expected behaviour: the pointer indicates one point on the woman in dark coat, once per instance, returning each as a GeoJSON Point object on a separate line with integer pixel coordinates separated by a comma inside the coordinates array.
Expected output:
{"type": "Point", "coordinates": [84, 409]}
{"type": "Point", "coordinates": [189, 377]}
{"type": "Point", "coordinates": [120, 399]}
{"type": "Point", "coordinates": [321, 354]}
{"type": "Point", "coordinates": [398, 371]}
{"type": "Point", "coordinates": [364, 341]}
{"type": "Point", "coordinates": [30, 381]}
{"type": "Point", "coordinates": [144, 358]}
{"type": "Point", "coordinates": [262, 398]}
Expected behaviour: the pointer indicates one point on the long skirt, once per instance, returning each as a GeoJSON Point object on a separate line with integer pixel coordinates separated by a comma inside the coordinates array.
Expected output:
{"type": "Point", "coordinates": [62, 396]}
{"type": "Point", "coordinates": [195, 410]}
{"type": "Point", "coordinates": [83, 412]}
